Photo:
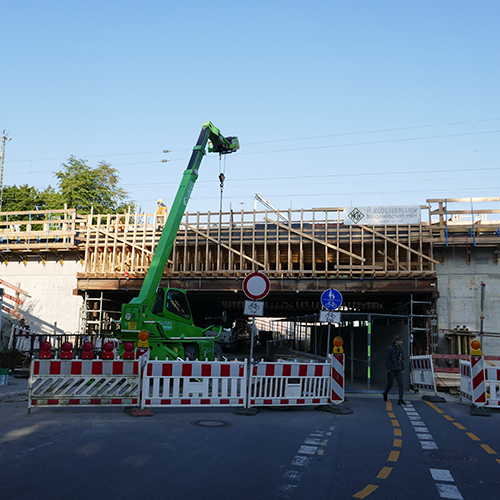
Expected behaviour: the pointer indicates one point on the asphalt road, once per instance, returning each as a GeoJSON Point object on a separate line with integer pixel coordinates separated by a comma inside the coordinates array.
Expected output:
{"type": "Point", "coordinates": [380, 451]}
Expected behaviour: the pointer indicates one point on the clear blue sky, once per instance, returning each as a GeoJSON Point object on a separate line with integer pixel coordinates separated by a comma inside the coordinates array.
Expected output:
{"type": "Point", "coordinates": [336, 103]}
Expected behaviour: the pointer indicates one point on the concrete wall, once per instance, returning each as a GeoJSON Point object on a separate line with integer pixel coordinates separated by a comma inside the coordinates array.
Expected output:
{"type": "Point", "coordinates": [52, 306]}
{"type": "Point", "coordinates": [459, 286]}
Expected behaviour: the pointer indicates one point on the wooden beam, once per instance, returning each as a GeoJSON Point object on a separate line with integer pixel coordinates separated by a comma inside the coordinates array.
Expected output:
{"type": "Point", "coordinates": [213, 240]}
{"type": "Point", "coordinates": [305, 235]}
{"type": "Point", "coordinates": [377, 233]}
{"type": "Point", "coordinates": [15, 288]}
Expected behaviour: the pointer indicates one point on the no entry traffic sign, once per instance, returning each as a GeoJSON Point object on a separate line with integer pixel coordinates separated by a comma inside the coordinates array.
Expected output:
{"type": "Point", "coordinates": [256, 285]}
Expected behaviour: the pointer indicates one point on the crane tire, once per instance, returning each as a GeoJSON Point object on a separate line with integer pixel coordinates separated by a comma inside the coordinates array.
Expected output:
{"type": "Point", "coordinates": [189, 352]}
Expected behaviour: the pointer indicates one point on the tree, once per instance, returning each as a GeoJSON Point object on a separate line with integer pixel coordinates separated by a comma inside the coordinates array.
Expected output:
{"type": "Point", "coordinates": [86, 188]}
{"type": "Point", "coordinates": [29, 199]}
{"type": "Point", "coordinates": [22, 198]}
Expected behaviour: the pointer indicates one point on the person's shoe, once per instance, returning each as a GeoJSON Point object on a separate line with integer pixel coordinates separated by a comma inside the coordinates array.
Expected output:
{"type": "Point", "coordinates": [402, 403]}
{"type": "Point", "coordinates": [385, 397]}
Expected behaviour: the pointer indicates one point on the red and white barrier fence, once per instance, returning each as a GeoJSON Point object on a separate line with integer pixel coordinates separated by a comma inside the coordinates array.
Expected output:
{"type": "Point", "coordinates": [24, 340]}
{"type": "Point", "coordinates": [194, 383]}
{"type": "Point", "coordinates": [478, 382]}
{"type": "Point", "coordinates": [422, 373]}
{"type": "Point", "coordinates": [338, 378]}
{"type": "Point", "coordinates": [148, 383]}
{"type": "Point", "coordinates": [292, 384]}
{"type": "Point", "coordinates": [492, 380]}
{"type": "Point", "coordinates": [86, 382]}
{"type": "Point", "coordinates": [479, 385]}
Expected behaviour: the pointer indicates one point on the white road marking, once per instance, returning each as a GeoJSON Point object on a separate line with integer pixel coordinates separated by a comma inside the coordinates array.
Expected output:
{"type": "Point", "coordinates": [310, 440]}
{"type": "Point", "coordinates": [418, 424]}
{"type": "Point", "coordinates": [449, 491]}
{"type": "Point", "coordinates": [284, 490]}
{"type": "Point", "coordinates": [442, 475]}
{"type": "Point", "coordinates": [308, 450]}
{"type": "Point", "coordinates": [301, 461]}
{"type": "Point", "coordinates": [294, 476]}
{"type": "Point", "coordinates": [429, 445]}
{"type": "Point", "coordinates": [424, 436]}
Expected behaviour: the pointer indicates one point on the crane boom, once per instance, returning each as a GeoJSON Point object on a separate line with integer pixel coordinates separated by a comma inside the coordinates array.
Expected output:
{"type": "Point", "coordinates": [165, 313]}
{"type": "Point", "coordinates": [221, 145]}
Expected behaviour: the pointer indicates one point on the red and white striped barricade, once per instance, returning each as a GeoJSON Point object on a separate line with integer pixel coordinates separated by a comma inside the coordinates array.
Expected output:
{"type": "Point", "coordinates": [422, 373]}
{"type": "Point", "coordinates": [465, 381]}
{"type": "Point", "coordinates": [478, 381]}
{"type": "Point", "coordinates": [290, 384]}
{"type": "Point", "coordinates": [338, 377]}
{"type": "Point", "coordinates": [492, 375]}
{"type": "Point", "coordinates": [21, 339]}
{"type": "Point", "coordinates": [194, 383]}
{"type": "Point", "coordinates": [74, 382]}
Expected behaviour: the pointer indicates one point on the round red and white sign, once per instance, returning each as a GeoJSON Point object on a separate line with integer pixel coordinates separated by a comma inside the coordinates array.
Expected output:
{"type": "Point", "coordinates": [256, 285]}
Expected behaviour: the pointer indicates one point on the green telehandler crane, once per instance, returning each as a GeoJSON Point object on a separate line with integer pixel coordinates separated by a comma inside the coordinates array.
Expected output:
{"type": "Point", "coordinates": [160, 319]}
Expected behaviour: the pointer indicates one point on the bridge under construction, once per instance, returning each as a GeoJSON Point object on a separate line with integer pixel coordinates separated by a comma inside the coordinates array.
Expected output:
{"type": "Point", "coordinates": [389, 269]}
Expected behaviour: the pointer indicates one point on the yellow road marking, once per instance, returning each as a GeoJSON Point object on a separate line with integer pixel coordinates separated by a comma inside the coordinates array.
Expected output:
{"type": "Point", "coordinates": [384, 473]}
{"type": "Point", "coordinates": [397, 443]}
{"type": "Point", "coordinates": [388, 406]}
{"type": "Point", "coordinates": [447, 417]}
{"type": "Point", "coordinates": [395, 423]}
{"type": "Point", "coordinates": [473, 436]}
{"type": "Point", "coordinates": [397, 432]}
{"type": "Point", "coordinates": [498, 460]}
{"type": "Point", "coordinates": [391, 415]}
{"type": "Point", "coordinates": [460, 426]}
{"type": "Point", "coordinates": [393, 457]}
{"type": "Point", "coordinates": [432, 405]}
{"type": "Point", "coordinates": [365, 491]}
{"type": "Point", "coordinates": [487, 449]}
{"type": "Point", "coordinates": [328, 433]}
{"type": "Point", "coordinates": [320, 452]}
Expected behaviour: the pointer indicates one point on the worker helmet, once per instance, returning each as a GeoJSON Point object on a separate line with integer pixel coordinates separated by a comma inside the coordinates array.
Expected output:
{"type": "Point", "coordinates": [160, 201]}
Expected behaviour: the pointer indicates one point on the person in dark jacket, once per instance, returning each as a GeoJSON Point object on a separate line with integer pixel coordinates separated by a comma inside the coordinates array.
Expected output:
{"type": "Point", "coordinates": [394, 362]}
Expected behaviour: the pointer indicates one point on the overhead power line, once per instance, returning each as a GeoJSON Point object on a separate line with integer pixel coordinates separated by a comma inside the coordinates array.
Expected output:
{"type": "Point", "coordinates": [306, 138]}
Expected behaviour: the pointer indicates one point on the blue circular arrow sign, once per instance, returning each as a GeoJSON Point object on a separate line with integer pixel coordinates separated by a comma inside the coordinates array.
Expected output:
{"type": "Point", "coordinates": [331, 299]}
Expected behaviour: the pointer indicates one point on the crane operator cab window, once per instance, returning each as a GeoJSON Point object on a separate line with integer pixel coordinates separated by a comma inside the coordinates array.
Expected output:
{"type": "Point", "coordinates": [158, 305]}
{"type": "Point", "coordinates": [176, 302]}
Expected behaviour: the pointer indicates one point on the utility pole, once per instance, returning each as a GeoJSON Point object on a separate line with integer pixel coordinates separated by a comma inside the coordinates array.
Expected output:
{"type": "Point", "coordinates": [3, 141]}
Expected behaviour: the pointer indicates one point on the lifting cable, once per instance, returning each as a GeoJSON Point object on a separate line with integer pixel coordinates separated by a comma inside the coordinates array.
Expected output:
{"type": "Point", "coordinates": [222, 178]}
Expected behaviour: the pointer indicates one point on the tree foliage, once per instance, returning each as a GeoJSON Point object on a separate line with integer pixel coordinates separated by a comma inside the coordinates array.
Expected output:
{"type": "Point", "coordinates": [29, 199]}
{"type": "Point", "coordinates": [86, 188]}
{"type": "Point", "coordinates": [79, 186]}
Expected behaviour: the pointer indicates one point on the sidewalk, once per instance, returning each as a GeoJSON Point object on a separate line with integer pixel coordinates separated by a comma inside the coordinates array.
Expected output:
{"type": "Point", "coordinates": [14, 387]}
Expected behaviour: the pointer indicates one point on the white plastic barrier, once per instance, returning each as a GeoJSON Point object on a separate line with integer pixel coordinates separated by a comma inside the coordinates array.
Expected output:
{"type": "Point", "coordinates": [91, 382]}
{"type": "Point", "coordinates": [194, 383]}
{"type": "Point", "coordinates": [23, 339]}
{"type": "Point", "coordinates": [287, 384]}
{"type": "Point", "coordinates": [492, 376]}
{"type": "Point", "coordinates": [422, 373]}
{"type": "Point", "coordinates": [465, 381]}
{"type": "Point", "coordinates": [479, 385]}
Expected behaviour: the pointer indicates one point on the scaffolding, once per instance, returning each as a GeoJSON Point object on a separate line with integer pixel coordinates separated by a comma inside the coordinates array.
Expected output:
{"type": "Point", "coordinates": [423, 322]}
{"type": "Point", "coordinates": [98, 315]}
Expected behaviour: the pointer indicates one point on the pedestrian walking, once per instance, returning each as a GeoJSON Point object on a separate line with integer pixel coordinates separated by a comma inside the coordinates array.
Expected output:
{"type": "Point", "coordinates": [394, 362]}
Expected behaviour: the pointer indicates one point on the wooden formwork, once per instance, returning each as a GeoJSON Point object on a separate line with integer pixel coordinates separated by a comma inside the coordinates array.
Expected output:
{"type": "Point", "coordinates": [288, 244]}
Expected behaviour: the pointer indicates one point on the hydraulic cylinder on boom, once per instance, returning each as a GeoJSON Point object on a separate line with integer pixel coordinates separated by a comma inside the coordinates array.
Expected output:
{"type": "Point", "coordinates": [160, 319]}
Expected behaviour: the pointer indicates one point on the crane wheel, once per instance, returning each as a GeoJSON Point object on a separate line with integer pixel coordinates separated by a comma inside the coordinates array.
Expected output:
{"type": "Point", "coordinates": [218, 353]}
